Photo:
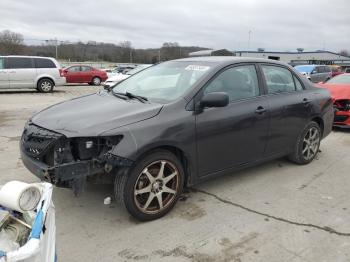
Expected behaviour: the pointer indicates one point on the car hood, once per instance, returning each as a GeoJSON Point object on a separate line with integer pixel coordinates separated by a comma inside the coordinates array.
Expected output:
{"type": "Point", "coordinates": [338, 91]}
{"type": "Point", "coordinates": [118, 77]}
{"type": "Point", "coordinates": [94, 114]}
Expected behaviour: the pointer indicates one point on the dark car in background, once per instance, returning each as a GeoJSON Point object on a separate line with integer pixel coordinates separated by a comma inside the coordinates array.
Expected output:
{"type": "Point", "coordinates": [177, 124]}
{"type": "Point", "coordinates": [84, 74]}
{"type": "Point", "coordinates": [315, 73]}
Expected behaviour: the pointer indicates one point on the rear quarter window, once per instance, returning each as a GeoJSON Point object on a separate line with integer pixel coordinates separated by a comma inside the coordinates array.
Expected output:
{"type": "Point", "coordinates": [44, 63]}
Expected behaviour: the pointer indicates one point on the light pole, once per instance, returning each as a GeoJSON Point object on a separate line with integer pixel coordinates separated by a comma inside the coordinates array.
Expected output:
{"type": "Point", "coordinates": [159, 55]}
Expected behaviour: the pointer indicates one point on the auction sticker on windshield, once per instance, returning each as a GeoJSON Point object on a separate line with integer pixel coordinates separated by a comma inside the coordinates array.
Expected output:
{"type": "Point", "coordinates": [197, 68]}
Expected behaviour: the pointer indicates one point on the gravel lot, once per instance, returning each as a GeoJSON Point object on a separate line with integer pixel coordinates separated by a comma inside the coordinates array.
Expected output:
{"type": "Point", "coordinates": [274, 212]}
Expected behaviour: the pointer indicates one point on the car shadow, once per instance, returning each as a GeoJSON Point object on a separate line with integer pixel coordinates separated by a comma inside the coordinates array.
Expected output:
{"type": "Point", "coordinates": [94, 194]}
{"type": "Point", "coordinates": [341, 129]}
{"type": "Point", "coordinates": [19, 91]}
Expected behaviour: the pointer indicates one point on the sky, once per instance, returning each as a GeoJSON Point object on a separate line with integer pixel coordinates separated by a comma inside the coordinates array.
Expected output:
{"type": "Point", "coordinates": [276, 25]}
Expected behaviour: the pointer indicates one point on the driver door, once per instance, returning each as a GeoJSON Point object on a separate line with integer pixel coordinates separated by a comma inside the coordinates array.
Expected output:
{"type": "Point", "coordinates": [236, 134]}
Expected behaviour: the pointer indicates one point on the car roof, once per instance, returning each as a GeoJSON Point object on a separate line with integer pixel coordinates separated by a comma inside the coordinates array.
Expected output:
{"type": "Point", "coordinates": [222, 60]}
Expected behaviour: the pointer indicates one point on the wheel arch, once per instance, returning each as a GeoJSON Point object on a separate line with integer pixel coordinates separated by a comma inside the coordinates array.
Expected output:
{"type": "Point", "coordinates": [178, 152]}
{"type": "Point", "coordinates": [94, 76]}
{"type": "Point", "coordinates": [45, 77]}
{"type": "Point", "coordinates": [320, 123]}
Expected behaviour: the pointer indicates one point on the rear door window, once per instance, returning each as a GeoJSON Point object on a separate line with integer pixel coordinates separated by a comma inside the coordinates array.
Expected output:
{"type": "Point", "coordinates": [19, 62]}
{"type": "Point", "coordinates": [278, 79]}
{"type": "Point", "coordinates": [320, 69]}
{"type": "Point", "coordinates": [327, 69]}
{"type": "Point", "coordinates": [44, 63]}
{"type": "Point", "coordinates": [86, 68]}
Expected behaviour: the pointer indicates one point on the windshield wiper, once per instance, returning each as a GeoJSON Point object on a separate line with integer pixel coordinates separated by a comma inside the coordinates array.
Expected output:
{"type": "Point", "coordinates": [131, 96]}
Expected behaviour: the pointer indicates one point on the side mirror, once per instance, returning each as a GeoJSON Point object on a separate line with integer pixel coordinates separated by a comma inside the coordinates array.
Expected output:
{"type": "Point", "coordinates": [215, 99]}
{"type": "Point", "coordinates": [313, 72]}
{"type": "Point", "coordinates": [65, 71]}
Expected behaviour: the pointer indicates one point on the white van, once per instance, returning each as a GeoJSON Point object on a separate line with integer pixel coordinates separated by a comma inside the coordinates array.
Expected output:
{"type": "Point", "coordinates": [41, 73]}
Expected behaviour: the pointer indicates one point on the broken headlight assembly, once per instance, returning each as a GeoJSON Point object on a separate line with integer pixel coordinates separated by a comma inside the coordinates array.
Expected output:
{"type": "Point", "coordinates": [342, 105]}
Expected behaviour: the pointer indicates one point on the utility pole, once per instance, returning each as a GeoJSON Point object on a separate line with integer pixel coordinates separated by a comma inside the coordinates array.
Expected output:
{"type": "Point", "coordinates": [250, 31]}
{"type": "Point", "coordinates": [130, 55]}
{"type": "Point", "coordinates": [56, 44]}
{"type": "Point", "coordinates": [159, 55]}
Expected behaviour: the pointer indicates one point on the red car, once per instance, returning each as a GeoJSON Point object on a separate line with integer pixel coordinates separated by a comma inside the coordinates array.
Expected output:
{"type": "Point", "coordinates": [339, 86]}
{"type": "Point", "coordinates": [84, 74]}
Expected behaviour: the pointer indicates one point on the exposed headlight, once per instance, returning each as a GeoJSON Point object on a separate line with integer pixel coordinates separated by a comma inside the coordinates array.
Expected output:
{"type": "Point", "coordinates": [84, 148]}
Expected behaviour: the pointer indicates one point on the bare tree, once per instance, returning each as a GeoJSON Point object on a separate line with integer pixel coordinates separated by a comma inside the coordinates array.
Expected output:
{"type": "Point", "coordinates": [11, 43]}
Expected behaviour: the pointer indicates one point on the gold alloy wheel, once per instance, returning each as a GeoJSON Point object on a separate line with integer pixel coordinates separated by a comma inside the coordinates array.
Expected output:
{"type": "Point", "coordinates": [156, 187]}
{"type": "Point", "coordinates": [311, 143]}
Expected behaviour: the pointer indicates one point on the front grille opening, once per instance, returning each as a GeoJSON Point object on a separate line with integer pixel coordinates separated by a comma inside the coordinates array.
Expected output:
{"type": "Point", "coordinates": [37, 141]}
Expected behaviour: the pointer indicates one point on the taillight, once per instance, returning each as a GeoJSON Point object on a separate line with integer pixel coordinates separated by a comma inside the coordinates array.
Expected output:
{"type": "Point", "coordinates": [61, 72]}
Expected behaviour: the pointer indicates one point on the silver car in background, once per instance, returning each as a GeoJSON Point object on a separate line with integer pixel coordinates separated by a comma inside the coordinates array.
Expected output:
{"type": "Point", "coordinates": [35, 72]}
{"type": "Point", "coordinates": [315, 73]}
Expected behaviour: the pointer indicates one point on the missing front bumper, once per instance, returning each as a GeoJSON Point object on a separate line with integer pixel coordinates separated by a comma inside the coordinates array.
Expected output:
{"type": "Point", "coordinates": [73, 173]}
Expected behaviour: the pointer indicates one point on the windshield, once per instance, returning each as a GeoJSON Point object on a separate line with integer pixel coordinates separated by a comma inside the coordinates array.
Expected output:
{"type": "Point", "coordinates": [137, 69]}
{"type": "Point", "coordinates": [340, 79]}
{"type": "Point", "coordinates": [164, 82]}
{"type": "Point", "coordinates": [304, 68]}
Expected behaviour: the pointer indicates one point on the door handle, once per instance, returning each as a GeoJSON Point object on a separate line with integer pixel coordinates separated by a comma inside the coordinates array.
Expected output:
{"type": "Point", "coordinates": [260, 110]}
{"type": "Point", "coordinates": [306, 101]}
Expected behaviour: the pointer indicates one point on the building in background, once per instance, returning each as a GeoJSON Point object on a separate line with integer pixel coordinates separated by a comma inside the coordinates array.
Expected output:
{"type": "Point", "coordinates": [300, 57]}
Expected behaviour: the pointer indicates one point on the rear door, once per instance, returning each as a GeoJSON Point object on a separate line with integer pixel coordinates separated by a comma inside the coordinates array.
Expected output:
{"type": "Point", "coordinates": [318, 76]}
{"type": "Point", "coordinates": [22, 72]}
{"type": "Point", "coordinates": [289, 107]}
{"type": "Point", "coordinates": [4, 76]}
{"type": "Point", "coordinates": [236, 134]}
{"type": "Point", "coordinates": [327, 73]}
{"type": "Point", "coordinates": [86, 74]}
{"type": "Point", "coordinates": [46, 66]}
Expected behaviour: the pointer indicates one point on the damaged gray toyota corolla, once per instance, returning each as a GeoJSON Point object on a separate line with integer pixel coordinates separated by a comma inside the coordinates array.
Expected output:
{"type": "Point", "coordinates": [176, 124]}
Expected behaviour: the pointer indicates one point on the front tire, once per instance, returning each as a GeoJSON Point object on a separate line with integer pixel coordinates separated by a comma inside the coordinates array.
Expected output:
{"type": "Point", "coordinates": [307, 145]}
{"type": "Point", "coordinates": [152, 187]}
{"type": "Point", "coordinates": [45, 85]}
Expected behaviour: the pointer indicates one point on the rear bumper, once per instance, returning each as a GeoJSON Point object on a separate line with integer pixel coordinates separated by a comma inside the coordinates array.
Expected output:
{"type": "Point", "coordinates": [60, 81]}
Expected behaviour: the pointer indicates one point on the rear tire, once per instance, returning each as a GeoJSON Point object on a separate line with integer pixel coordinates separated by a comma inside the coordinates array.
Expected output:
{"type": "Point", "coordinates": [307, 144]}
{"type": "Point", "coordinates": [151, 188]}
{"type": "Point", "coordinates": [45, 85]}
{"type": "Point", "coordinates": [96, 81]}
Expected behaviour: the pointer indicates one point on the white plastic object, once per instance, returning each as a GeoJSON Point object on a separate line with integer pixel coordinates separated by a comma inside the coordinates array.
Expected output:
{"type": "Point", "coordinates": [19, 196]}
{"type": "Point", "coordinates": [107, 201]}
